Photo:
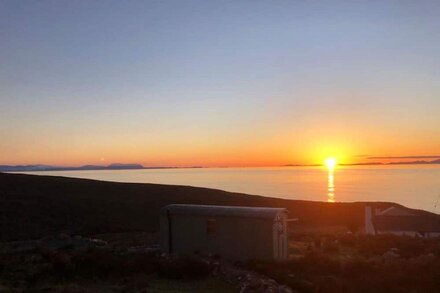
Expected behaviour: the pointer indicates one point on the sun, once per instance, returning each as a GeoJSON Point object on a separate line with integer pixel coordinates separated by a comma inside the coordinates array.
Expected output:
{"type": "Point", "coordinates": [330, 163]}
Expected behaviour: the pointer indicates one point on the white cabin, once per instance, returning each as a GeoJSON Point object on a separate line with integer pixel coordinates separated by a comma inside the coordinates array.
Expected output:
{"type": "Point", "coordinates": [230, 232]}
{"type": "Point", "coordinates": [401, 221]}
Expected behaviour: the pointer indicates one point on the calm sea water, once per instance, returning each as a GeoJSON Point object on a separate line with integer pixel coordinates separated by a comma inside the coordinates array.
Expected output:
{"type": "Point", "coordinates": [416, 186]}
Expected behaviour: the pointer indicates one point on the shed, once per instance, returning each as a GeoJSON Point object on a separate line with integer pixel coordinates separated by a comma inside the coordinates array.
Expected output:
{"type": "Point", "coordinates": [401, 221]}
{"type": "Point", "coordinates": [234, 233]}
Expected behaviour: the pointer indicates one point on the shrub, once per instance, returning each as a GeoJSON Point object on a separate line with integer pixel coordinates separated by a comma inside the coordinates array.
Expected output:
{"type": "Point", "coordinates": [103, 263]}
{"type": "Point", "coordinates": [184, 268]}
{"type": "Point", "coordinates": [356, 268]}
{"type": "Point", "coordinates": [330, 247]}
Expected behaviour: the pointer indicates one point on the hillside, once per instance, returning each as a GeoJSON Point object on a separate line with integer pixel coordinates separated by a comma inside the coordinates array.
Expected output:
{"type": "Point", "coordinates": [37, 206]}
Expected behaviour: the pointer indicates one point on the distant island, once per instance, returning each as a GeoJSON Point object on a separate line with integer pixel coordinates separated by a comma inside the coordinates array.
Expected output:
{"type": "Point", "coordinates": [419, 162]}
{"type": "Point", "coordinates": [115, 166]}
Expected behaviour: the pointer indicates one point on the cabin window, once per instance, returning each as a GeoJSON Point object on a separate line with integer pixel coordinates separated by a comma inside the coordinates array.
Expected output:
{"type": "Point", "coordinates": [211, 226]}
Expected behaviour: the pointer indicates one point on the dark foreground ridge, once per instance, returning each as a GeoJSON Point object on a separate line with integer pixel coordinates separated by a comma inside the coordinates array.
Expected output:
{"type": "Point", "coordinates": [33, 206]}
{"type": "Point", "coordinates": [118, 251]}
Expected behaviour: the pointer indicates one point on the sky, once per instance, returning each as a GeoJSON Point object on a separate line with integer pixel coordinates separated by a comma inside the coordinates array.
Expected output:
{"type": "Point", "coordinates": [218, 83]}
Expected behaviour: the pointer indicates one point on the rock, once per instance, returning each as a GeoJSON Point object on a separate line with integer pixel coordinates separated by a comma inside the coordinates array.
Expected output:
{"type": "Point", "coordinates": [390, 255]}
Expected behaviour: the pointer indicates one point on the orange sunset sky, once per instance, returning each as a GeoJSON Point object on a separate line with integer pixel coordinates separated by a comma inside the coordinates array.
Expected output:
{"type": "Point", "coordinates": [213, 83]}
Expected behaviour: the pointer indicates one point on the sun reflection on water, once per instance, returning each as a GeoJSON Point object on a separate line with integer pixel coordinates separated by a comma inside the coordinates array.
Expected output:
{"type": "Point", "coordinates": [330, 186]}
{"type": "Point", "coordinates": [331, 164]}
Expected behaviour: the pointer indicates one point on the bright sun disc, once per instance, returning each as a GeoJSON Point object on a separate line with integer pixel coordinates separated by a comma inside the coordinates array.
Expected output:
{"type": "Point", "coordinates": [330, 163]}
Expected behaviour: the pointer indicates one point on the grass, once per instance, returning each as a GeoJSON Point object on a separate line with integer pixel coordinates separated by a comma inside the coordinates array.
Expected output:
{"type": "Point", "coordinates": [355, 263]}
{"type": "Point", "coordinates": [105, 270]}
{"type": "Point", "coordinates": [175, 286]}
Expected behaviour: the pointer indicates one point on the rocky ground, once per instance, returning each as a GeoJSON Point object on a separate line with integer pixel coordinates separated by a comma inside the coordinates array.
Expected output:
{"type": "Point", "coordinates": [79, 264]}
{"type": "Point", "coordinates": [131, 262]}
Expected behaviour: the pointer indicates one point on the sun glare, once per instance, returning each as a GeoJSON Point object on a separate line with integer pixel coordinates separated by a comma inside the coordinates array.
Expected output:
{"type": "Point", "coordinates": [330, 163]}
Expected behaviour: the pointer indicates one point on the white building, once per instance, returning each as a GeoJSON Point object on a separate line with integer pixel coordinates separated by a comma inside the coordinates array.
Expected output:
{"type": "Point", "coordinates": [401, 221]}
{"type": "Point", "coordinates": [234, 233]}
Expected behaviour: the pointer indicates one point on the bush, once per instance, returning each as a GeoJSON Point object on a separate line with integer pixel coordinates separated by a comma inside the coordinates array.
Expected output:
{"type": "Point", "coordinates": [184, 268]}
{"type": "Point", "coordinates": [357, 268]}
{"type": "Point", "coordinates": [103, 263]}
{"type": "Point", "coordinates": [330, 247]}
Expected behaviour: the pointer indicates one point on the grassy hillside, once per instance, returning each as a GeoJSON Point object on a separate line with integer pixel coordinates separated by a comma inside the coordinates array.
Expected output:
{"type": "Point", "coordinates": [37, 206]}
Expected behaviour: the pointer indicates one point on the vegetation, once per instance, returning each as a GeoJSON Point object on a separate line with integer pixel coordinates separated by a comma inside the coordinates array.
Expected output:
{"type": "Point", "coordinates": [327, 253]}
{"type": "Point", "coordinates": [350, 263]}
{"type": "Point", "coordinates": [105, 269]}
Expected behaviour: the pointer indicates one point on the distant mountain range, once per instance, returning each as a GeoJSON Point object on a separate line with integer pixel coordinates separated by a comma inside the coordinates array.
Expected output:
{"type": "Point", "coordinates": [28, 168]}
{"type": "Point", "coordinates": [402, 163]}
{"type": "Point", "coordinates": [422, 162]}
{"type": "Point", "coordinates": [115, 166]}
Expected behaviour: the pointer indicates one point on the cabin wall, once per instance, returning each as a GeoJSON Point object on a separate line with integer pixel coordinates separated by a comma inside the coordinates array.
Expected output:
{"type": "Point", "coordinates": [233, 238]}
{"type": "Point", "coordinates": [398, 233]}
{"type": "Point", "coordinates": [410, 233]}
{"type": "Point", "coordinates": [369, 227]}
{"type": "Point", "coordinates": [280, 238]}
{"type": "Point", "coordinates": [164, 232]}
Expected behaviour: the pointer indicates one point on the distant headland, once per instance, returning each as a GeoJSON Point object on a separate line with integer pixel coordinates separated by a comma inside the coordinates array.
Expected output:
{"type": "Point", "coordinates": [115, 166]}
{"type": "Point", "coordinates": [419, 162]}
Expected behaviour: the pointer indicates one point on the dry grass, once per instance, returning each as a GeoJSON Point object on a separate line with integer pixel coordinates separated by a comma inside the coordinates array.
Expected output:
{"type": "Point", "coordinates": [350, 263]}
{"type": "Point", "coordinates": [105, 270]}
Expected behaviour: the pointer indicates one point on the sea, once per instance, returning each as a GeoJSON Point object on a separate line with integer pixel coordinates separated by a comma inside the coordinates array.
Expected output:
{"type": "Point", "coordinates": [414, 186]}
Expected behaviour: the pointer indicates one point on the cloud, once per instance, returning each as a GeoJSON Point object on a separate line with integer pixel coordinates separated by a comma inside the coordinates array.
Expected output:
{"type": "Point", "coordinates": [404, 157]}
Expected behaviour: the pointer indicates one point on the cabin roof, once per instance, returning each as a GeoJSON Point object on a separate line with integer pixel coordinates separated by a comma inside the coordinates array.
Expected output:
{"type": "Point", "coordinates": [395, 211]}
{"type": "Point", "coordinates": [231, 211]}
